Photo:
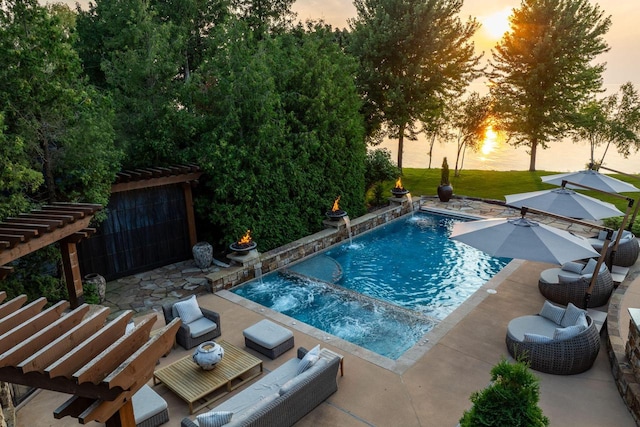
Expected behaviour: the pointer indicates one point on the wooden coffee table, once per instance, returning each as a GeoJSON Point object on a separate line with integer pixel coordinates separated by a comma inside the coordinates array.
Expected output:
{"type": "Point", "coordinates": [199, 387]}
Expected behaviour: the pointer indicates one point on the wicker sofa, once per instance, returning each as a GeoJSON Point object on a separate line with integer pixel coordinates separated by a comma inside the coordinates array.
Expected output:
{"type": "Point", "coordinates": [564, 285]}
{"type": "Point", "coordinates": [535, 339]}
{"type": "Point", "coordinates": [280, 398]}
{"type": "Point", "coordinates": [628, 248]}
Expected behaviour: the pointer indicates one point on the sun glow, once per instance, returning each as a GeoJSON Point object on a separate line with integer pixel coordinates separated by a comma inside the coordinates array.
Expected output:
{"type": "Point", "coordinates": [490, 142]}
{"type": "Point", "coordinates": [496, 24]}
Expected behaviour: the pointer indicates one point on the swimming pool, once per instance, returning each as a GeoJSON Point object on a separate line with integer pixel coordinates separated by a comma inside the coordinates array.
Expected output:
{"type": "Point", "coordinates": [399, 280]}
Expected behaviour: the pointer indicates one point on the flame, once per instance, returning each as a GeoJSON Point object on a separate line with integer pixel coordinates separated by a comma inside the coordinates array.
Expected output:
{"type": "Point", "coordinates": [245, 239]}
{"type": "Point", "coordinates": [399, 184]}
{"type": "Point", "coordinates": [335, 207]}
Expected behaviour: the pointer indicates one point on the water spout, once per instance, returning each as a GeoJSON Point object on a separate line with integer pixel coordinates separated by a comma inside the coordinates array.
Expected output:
{"type": "Point", "coordinates": [347, 222]}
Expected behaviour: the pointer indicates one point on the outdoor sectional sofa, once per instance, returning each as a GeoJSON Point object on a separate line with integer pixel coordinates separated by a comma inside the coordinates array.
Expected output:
{"type": "Point", "coordinates": [556, 341]}
{"type": "Point", "coordinates": [280, 398]}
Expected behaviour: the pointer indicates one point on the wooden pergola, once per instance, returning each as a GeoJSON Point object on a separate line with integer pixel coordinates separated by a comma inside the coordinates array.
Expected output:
{"type": "Point", "coordinates": [77, 353]}
{"type": "Point", "coordinates": [66, 223]}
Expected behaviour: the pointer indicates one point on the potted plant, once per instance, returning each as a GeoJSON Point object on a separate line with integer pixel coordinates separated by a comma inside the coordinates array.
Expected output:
{"type": "Point", "coordinates": [510, 400]}
{"type": "Point", "coordinates": [445, 190]}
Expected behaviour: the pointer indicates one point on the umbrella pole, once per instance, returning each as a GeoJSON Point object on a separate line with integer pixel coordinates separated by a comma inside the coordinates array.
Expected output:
{"type": "Point", "coordinates": [620, 230]}
{"type": "Point", "coordinates": [594, 277]}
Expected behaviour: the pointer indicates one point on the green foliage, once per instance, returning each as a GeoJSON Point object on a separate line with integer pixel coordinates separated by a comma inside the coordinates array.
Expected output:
{"type": "Point", "coordinates": [444, 173]}
{"type": "Point", "coordinates": [615, 222]}
{"type": "Point", "coordinates": [510, 400]}
{"type": "Point", "coordinates": [37, 275]}
{"type": "Point", "coordinates": [379, 167]}
{"type": "Point", "coordinates": [378, 194]}
{"type": "Point", "coordinates": [543, 72]}
{"type": "Point", "coordinates": [412, 56]}
{"type": "Point", "coordinates": [280, 136]}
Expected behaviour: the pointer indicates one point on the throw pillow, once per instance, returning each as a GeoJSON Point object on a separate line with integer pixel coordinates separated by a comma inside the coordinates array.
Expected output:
{"type": "Point", "coordinates": [188, 310]}
{"type": "Point", "coordinates": [590, 267]}
{"type": "Point", "coordinates": [552, 312]}
{"type": "Point", "coordinates": [565, 278]}
{"type": "Point", "coordinates": [602, 235]}
{"type": "Point", "coordinates": [571, 315]}
{"type": "Point", "coordinates": [214, 419]}
{"type": "Point", "coordinates": [574, 267]}
{"type": "Point", "coordinates": [537, 338]}
{"type": "Point", "coordinates": [582, 321]}
{"type": "Point", "coordinates": [309, 359]}
{"type": "Point", "coordinates": [566, 333]}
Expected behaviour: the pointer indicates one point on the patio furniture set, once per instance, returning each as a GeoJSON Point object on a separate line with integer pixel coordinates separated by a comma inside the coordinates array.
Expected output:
{"type": "Point", "coordinates": [297, 386]}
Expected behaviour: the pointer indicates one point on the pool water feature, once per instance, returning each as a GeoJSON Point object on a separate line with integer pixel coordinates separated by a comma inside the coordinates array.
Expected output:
{"type": "Point", "coordinates": [385, 289]}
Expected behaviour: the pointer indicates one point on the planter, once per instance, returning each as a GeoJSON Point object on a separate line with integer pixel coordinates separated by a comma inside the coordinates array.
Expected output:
{"type": "Point", "coordinates": [445, 192]}
{"type": "Point", "coordinates": [208, 354]}
{"type": "Point", "coordinates": [202, 254]}
{"type": "Point", "coordinates": [99, 282]}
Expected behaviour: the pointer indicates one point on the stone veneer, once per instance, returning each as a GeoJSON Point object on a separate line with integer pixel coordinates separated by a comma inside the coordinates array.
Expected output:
{"type": "Point", "coordinates": [335, 232]}
{"type": "Point", "coordinates": [624, 352]}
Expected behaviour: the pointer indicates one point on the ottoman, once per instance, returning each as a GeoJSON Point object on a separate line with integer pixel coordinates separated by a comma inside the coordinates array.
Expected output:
{"type": "Point", "coordinates": [268, 338]}
{"type": "Point", "coordinates": [149, 409]}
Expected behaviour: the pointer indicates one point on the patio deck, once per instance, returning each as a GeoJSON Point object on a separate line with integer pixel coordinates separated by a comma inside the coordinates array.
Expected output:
{"type": "Point", "coordinates": [431, 387]}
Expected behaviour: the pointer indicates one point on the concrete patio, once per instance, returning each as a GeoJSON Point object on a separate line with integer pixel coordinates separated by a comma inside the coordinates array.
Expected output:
{"type": "Point", "coordinates": [431, 385]}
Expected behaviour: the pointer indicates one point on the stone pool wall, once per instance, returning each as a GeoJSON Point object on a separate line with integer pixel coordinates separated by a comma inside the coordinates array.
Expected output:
{"type": "Point", "coordinates": [247, 267]}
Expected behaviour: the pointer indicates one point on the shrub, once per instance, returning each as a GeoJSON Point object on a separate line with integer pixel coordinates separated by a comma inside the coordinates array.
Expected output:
{"type": "Point", "coordinates": [510, 400]}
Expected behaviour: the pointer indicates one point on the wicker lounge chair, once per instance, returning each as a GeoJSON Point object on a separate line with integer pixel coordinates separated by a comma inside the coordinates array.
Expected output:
{"type": "Point", "coordinates": [573, 290]}
{"type": "Point", "coordinates": [628, 248]}
{"type": "Point", "coordinates": [193, 333]}
{"type": "Point", "coordinates": [556, 356]}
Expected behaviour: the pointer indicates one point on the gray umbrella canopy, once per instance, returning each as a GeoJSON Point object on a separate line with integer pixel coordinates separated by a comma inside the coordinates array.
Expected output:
{"type": "Point", "coordinates": [593, 179]}
{"type": "Point", "coordinates": [566, 202]}
{"type": "Point", "coordinates": [522, 238]}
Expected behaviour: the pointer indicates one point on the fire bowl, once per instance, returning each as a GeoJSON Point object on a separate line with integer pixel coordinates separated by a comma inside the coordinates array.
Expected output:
{"type": "Point", "coordinates": [399, 192]}
{"type": "Point", "coordinates": [335, 215]}
{"type": "Point", "coordinates": [243, 248]}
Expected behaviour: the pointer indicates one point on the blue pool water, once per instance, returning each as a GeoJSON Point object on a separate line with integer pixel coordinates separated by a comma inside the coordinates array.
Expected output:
{"type": "Point", "coordinates": [384, 290]}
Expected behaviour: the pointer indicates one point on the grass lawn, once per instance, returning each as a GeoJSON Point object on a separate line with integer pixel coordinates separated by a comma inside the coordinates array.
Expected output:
{"type": "Point", "coordinates": [496, 184]}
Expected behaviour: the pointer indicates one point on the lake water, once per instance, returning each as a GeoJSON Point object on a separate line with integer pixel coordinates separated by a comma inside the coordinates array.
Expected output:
{"type": "Point", "coordinates": [562, 156]}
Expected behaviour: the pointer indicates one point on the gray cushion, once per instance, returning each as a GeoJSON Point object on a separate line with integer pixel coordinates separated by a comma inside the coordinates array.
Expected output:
{"type": "Point", "coordinates": [602, 235]}
{"type": "Point", "coordinates": [582, 321]}
{"type": "Point", "coordinates": [532, 324]}
{"type": "Point", "coordinates": [590, 267]}
{"type": "Point", "coordinates": [188, 310]}
{"type": "Point", "coordinates": [567, 278]}
{"type": "Point", "coordinates": [571, 315]}
{"type": "Point", "coordinates": [573, 267]}
{"type": "Point", "coordinates": [536, 338]}
{"type": "Point", "coordinates": [309, 359]}
{"type": "Point", "coordinates": [293, 382]}
{"type": "Point", "coordinates": [146, 404]}
{"type": "Point", "coordinates": [552, 312]}
{"type": "Point", "coordinates": [214, 418]}
{"type": "Point", "coordinates": [568, 332]}
{"type": "Point", "coordinates": [201, 326]}
{"type": "Point", "coordinates": [267, 334]}
{"type": "Point", "coordinates": [257, 406]}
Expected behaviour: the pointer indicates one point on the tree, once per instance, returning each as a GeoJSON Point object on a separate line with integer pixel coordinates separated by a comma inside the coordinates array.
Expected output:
{"type": "Point", "coordinates": [264, 16]}
{"type": "Point", "coordinates": [468, 122]}
{"type": "Point", "coordinates": [614, 119]}
{"type": "Point", "coordinates": [413, 54]}
{"type": "Point", "coordinates": [543, 69]}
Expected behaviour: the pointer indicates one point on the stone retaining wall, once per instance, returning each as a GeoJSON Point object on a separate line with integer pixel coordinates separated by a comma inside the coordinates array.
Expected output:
{"type": "Point", "coordinates": [335, 232]}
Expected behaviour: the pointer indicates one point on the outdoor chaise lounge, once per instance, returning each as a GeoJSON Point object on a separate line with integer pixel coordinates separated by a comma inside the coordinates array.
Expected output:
{"type": "Point", "coordinates": [569, 283]}
{"type": "Point", "coordinates": [198, 324]}
{"type": "Point", "coordinates": [556, 341]}
{"type": "Point", "coordinates": [628, 248]}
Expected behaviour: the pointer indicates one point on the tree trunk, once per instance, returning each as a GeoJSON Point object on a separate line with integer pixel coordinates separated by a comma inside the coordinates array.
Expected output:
{"type": "Point", "coordinates": [532, 158]}
{"type": "Point", "coordinates": [400, 146]}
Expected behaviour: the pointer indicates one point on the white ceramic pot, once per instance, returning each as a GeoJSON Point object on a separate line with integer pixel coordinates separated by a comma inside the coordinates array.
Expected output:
{"type": "Point", "coordinates": [208, 354]}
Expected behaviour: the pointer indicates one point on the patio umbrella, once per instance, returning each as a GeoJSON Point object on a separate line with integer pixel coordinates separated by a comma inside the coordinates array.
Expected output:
{"type": "Point", "coordinates": [593, 179]}
{"type": "Point", "coordinates": [564, 201]}
{"type": "Point", "coordinates": [523, 239]}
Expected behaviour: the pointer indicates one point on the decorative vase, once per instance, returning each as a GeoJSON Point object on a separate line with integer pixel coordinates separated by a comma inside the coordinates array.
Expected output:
{"type": "Point", "coordinates": [208, 354]}
{"type": "Point", "coordinates": [445, 192]}
{"type": "Point", "coordinates": [202, 254]}
{"type": "Point", "coordinates": [99, 282]}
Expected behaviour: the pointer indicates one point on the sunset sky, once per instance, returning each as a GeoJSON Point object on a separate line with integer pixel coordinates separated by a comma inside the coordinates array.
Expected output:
{"type": "Point", "coordinates": [623, 37]}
